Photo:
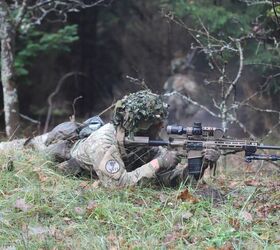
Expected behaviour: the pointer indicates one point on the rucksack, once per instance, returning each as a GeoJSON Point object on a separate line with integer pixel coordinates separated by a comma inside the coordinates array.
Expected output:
{"type": "Point", "coordinates": [73, 131]}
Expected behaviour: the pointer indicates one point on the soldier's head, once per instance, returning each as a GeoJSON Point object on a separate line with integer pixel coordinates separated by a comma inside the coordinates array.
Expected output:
{"type": "Point", "coordinates": [140, 113]}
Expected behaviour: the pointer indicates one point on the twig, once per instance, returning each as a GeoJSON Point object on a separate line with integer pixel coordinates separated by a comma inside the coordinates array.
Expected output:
{"type": "Point", "coordinates": [73, 117]}
{"type": "Point", "coordinates": [233, 84]}
{"type": "Point", "coordinates": [137, 82]}
{"type": "Point", "coordinates": [107, 109]}
{"type": "Point", "coordinates": [55, 92]}
{"type": "Point", "coordinates": [275, 11]}
{"type": "Point", "coordinates": [29, 119]}
{"type": "Point", "coordinates": [12, 135]}
{"type": "Point", "coordinates": [188, 99]}
{"type": "Point", "coordinates": [21, 14]}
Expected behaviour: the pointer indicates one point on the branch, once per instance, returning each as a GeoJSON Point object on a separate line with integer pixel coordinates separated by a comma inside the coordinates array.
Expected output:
{"type": "Point", "coordinates": [55, 92]}
{"type": "Point", "coordinates": [188, 99]}
{"type": "Point", "coordinates": [30, 119]}
{"type": "Point", "coordinates": [272, 129]}
{"type": "Point", "coordinates": [107, 109]}
{"type": "Point", "coordinates": [241, 125]}
{"type": "Point", "coordinates": [59, 9]}
{"type": "Point", "coordinates": [264, 87]}
{"type": "Point", "coordinates": [256, 2]}
{"type": "Point", "coordinates": [275, 11]}
{"type": "Point", "coordinates": [73, 117]}
{"type": "Point", "coordinates": [233, 84]}
{"type": "Point", "coordinates": [21, 14]}
{"type": "Point", "coordinates": [138, 82]}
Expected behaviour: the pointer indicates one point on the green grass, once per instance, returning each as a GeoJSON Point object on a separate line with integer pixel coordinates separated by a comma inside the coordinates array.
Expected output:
{"type": "Point", "coordinates": [59, 212]}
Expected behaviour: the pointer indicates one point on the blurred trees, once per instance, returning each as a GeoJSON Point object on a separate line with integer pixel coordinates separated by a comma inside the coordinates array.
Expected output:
{"type": "Point", "coordinates": [141, 39]}
{"type": "Point", "coordinates": [16, 16]}
{"type": "Point", "coordinates": [236, 37]}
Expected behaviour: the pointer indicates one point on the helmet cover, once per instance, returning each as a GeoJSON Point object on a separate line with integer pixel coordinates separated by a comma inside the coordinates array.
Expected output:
{"type": "Point", "coordinates": [140, 110]}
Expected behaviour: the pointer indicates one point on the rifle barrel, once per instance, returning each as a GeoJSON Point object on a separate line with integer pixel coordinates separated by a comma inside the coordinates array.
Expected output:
{"type": "Point", "coordinates": [262, 157]}
{"type": "Point", "coordinates": [268, 147]}
{"type": "Point", "coordinates": [158, 143]}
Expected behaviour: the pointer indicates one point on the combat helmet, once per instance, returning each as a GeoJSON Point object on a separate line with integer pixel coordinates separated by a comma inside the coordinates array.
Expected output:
{"type": "Point", "coordinates": [138, 111]}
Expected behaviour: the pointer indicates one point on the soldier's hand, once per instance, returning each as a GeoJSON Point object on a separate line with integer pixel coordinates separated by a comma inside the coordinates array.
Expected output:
{"type": "Point", "coordinates": [168, 159]}
{"type": "Point", "coordinates": [211, 154]}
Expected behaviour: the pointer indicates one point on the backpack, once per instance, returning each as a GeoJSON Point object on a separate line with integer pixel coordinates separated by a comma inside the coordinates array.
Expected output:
{"type": "Point", "coordinates": [60, 140]}
{"type": "Point", "coordinates": [73, 131]}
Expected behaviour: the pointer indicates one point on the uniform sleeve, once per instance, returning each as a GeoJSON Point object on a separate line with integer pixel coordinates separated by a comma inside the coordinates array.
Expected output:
{"type": "Point", "coordinates": [111, 170]}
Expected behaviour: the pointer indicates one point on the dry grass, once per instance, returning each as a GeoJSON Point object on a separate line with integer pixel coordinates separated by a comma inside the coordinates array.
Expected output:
{"type": "Point", "coordinates": [41, 209]}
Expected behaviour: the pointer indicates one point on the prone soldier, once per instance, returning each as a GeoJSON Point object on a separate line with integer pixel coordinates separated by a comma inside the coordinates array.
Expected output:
{"type": "Point", "coordinates": [103, 153]}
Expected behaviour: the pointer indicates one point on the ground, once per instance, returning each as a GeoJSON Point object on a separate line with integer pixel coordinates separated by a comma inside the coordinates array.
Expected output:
{"type": "Point", "coordinates": [41, 209]}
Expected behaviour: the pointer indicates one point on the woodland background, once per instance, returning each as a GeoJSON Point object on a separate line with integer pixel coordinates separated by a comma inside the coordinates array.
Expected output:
{"type": "Point", "coordinates": [94, 50]}
{"type": "Point", "coordinates": [216, 61]}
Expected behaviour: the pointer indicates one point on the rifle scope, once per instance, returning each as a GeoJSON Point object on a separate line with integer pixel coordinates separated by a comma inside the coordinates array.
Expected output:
{"type": "Point", "coordinates": [196, 130]}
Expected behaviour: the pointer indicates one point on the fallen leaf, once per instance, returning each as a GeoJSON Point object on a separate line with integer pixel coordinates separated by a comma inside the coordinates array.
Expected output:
{"type": "Point", "coordinates": [233, 184]}
{"type": "Point", "coordinates": [91, 207]}
{"type": "Point", "coordinates": [265, 236]}
{"type": "Point", "coordinates": [253, 183]}
{"type": "Point", "coordinates": [227, 246]}
{"type": "Point", "coordinates": [235, 223]}
{"type": "Point", "coordinates": [22, 205]}
{"type": "Point", "coordinates": [163, 198]}
{"type": "Point", "coordinates": [264, 210]}
{"type": "Point", "coordinates": [247, 216]}
{"type": "Point", "coordinates": [113, 241]}
{"type": "Point", "coordinates": [42, 177]}
{"type": "Point", "coordinates": [248, 168]}
{"type": "Point", "coordinates": [186, 196]}
{"type": "Point", "coordinates": [56, 233]}
{"type": "Point", "coordinates": [176, 233]}
{"type": "Point", "coordinates": [169, 238]}
{"type": "Point", "coordinates": [95, 184]}
{"type": "Point", "coordinates": [83, 184]}
{"type": "Point", "coordinates": [67, 220]}
{"type": "Point", "coordinates": [79, 210]}
{"type": "Point", "coordinates": [187, 215]}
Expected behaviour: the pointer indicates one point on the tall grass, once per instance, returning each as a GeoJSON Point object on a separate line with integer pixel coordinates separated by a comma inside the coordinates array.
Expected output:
{"type": "Point", "coordinates": [41, 209]}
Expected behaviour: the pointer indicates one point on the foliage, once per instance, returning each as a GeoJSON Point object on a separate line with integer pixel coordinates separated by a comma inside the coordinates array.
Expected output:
{"type": "Point", "coordinates": [234, 19]}
{"type": "Point", "coordinates": [224, 20]}
{"type": "Point", "coordinates": [34, 42]}
{"type": "Point", "coordinates": [41, 209]}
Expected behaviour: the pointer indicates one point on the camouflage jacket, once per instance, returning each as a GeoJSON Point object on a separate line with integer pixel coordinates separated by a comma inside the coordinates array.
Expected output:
{"type": "Point", "coordinates": [100, 152]}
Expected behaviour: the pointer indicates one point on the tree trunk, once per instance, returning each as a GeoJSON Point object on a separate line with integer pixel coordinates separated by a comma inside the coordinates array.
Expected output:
{"type": "Point", "coordinates": [7, 36]}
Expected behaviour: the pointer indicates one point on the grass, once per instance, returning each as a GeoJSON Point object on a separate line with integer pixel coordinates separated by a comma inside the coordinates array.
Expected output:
{"type": "Point", "coordinates": [41, 209]}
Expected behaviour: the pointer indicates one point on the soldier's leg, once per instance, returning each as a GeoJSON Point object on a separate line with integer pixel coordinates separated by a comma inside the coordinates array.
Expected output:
{"type": "Point", "coordinates": [12, 145]}
{"type": "Point", "coordinates": [70, 167]}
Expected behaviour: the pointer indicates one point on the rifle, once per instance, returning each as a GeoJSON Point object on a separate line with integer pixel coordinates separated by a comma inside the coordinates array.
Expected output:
{"type": "Point", "coordinates": [197, 138]}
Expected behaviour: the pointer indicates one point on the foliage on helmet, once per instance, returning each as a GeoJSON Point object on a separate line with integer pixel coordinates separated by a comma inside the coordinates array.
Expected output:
{"type": "Point", "coordinates": [136, 109]}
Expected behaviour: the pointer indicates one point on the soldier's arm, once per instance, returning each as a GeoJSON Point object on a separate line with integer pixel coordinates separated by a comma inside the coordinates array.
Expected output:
{"type": "Point", "coordinates": [111, 170]}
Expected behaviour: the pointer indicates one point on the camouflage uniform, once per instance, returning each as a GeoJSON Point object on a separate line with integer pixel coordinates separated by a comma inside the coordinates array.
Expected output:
{"type": "Point", "coordinates": [37, 143]}
{"type": "Point", "coordinates": [101, 153]}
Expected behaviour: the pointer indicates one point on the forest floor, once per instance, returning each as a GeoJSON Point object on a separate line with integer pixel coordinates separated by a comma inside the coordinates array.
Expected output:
{"type": "Point", "coordinates": [41, 209]}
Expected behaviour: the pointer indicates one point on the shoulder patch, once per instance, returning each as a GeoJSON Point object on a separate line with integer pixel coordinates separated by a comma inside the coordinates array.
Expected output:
{"type": "Point", "coordinates": [112, 166]}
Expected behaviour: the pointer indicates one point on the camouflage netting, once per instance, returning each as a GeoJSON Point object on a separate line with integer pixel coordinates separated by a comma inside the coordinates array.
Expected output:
{"type": "Point", "coordinates": [139, 111]}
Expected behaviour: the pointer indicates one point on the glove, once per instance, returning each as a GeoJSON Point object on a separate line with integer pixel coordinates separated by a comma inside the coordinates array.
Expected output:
{"type": "Point", "coordinates": [168, 159]}
{"type": "Point", "coordinates": [211, 154]}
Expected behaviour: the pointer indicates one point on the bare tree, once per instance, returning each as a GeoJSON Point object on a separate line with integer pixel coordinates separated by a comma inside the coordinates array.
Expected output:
{"type": "Point", "coordinates": [225, 105]}
{"type": "Point", "coordinates": [14, 15]}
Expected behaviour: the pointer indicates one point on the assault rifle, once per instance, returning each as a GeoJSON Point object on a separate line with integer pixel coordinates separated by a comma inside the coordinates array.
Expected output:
{"type": "Point", "coordinates": [197, 138]}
